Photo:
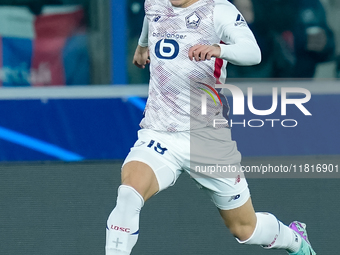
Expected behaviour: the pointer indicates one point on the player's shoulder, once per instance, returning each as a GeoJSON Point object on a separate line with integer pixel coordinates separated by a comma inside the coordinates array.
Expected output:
{"type": "Point", "coordinates": [225, 4]}
{"type": "Point", "coordinates": [225, 10]}
{"type": "Point", "coordinates": [157, 7]}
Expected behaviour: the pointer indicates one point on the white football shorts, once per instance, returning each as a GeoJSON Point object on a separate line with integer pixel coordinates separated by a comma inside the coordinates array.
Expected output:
{"type": "Point", "coordinates": [209, 155]}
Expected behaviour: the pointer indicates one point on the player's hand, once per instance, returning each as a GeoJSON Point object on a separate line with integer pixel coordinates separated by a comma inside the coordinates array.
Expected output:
{"type": "Point", "coordinates": [204, 52]}
{"type": "Point", "coordinates": [141, 57]}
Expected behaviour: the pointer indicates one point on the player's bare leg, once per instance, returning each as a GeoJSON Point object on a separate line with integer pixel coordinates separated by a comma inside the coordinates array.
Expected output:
{"type": "Point", "coordinates": [240, 221]}
{"type": "Point", "coordinates": [139, 183]}
{"type": "Point", "coordinates": [265, 229]}
{"type": "Point", "coordinates": [141, 177]}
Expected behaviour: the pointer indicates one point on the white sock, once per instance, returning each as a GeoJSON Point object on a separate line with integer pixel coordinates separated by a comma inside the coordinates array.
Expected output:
{"type": "Point", "coordinates": [123, 223]}
{"type": "Point", "coordinates": [271, 233]}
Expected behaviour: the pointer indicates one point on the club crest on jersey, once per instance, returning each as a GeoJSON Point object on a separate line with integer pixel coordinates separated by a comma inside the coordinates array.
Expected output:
{"type": "Point", "coordinates": [193, 20]}
{"type": "Point", "coordinates": [240, 21]}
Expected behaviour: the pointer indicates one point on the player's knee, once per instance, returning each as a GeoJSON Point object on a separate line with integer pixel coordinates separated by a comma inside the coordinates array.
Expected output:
{"type": "Point", "coordinates": [140, 177]}
{"type": "Point", "coordinates": [128, 198]}
{"type": "Point", "coordinates": [242, 231]}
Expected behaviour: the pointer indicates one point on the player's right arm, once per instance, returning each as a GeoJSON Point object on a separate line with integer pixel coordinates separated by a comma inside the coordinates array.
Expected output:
{"type": "Point", "coordinates": [141, 57]}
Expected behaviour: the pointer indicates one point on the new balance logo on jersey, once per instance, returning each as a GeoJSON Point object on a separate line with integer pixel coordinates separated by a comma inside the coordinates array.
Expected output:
{"type": "Point", "coordinates": [240, 21]}
{"type": "Point", "coordinates": [156, 18]}
{"type": "Point", "coordinates": [193, 20]}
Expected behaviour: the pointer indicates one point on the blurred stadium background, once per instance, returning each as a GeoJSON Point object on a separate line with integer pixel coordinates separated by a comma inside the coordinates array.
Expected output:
{"type": "Point", "coordinates": [70, 105]}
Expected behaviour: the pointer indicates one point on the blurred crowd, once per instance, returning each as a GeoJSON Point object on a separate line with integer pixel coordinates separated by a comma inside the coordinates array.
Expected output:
{"type": "Point", "coordinates": [43, 44]}
{"type": "Point", "coordinates": [293, 35]}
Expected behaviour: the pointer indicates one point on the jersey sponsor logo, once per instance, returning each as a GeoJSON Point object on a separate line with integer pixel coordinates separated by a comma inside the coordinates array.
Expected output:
{"type": "Point", "coordinates": [166, 49]}
{"type": "Point", "coordinates": [240, 21]}
{"type": "Point", "coordinates": [193, 20]}
{"type": "Point", "coordinates": [168, 35]}
{"type": "Point", "coordinates": [126, 230]}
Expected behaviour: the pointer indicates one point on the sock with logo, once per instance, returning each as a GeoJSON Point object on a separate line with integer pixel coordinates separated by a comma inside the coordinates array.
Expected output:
{"type": "Point", "coordinates": [271, 233]}
{"type": "Point", "coordinates": [123, 223]}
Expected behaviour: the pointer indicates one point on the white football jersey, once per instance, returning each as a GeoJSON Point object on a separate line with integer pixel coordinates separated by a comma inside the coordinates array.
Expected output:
{"type": "Point", "coordinates": [177, 83]}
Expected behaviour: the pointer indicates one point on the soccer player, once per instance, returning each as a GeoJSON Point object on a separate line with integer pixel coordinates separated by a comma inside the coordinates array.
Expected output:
{"type": "Point", "coordinates": [189, 43]}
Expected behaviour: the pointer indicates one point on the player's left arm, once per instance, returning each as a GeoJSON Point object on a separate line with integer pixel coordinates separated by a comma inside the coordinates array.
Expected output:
{"type": "Point", "coordinates": [240, 46]}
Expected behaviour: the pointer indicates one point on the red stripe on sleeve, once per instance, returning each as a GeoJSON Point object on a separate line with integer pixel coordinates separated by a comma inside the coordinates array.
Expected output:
{"type": "Point", "coordinates": [217, 71]}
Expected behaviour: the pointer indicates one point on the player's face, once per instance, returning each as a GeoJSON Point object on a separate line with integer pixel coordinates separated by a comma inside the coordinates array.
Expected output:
{"type": "Point", "coordinates": [182, 3]}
